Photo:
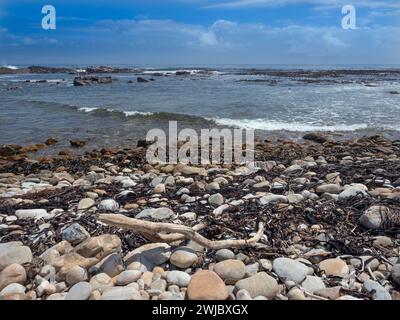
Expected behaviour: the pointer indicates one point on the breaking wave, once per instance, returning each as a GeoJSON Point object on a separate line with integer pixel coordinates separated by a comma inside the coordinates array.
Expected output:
{"type": "Point", "coordinates": [208, 122]}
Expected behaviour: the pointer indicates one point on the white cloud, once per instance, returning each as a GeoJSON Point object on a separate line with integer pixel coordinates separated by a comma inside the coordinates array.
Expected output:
{"type": "Point", "coordinates": [8, 39]}
{"type": "Point", "coordinates": [209, 38]}
{"type": "Point", "coordinates": [168, 41]}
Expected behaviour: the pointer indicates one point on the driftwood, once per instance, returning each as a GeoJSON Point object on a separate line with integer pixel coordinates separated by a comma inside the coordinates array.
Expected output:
{"type": "Point", "coordinates": [168, 232]}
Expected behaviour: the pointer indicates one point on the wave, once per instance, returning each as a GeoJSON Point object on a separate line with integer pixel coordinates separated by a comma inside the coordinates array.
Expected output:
{"type": "Point", "coordinates": [268, 125]}
{"type": "Point", "coordinates": [209, 122]}
{"type": "Point", "coordinates": [181, 71]}
{"type": "Point", "coordinates": [126, 113]}
{"type": "Point", "coordinates": [10, 67]}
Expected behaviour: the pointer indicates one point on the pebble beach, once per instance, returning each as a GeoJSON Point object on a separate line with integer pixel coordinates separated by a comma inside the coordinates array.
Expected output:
{"type": "Point", "coordinates": [323, 217]}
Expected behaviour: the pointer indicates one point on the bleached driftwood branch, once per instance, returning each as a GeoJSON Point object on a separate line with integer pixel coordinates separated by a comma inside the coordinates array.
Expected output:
{"type": "Point", "coordinates": [168, 232]}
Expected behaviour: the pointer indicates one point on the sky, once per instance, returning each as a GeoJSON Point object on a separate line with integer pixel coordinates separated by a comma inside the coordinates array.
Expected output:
{"type": "Point", "coordinates": [199, 32]}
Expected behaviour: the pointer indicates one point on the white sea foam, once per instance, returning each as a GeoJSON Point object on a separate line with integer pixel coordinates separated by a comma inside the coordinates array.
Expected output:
{"type": "Point", "coordinates": [173, 72]}
{"type": "Point", "coordinates": [136, 113]}
{"type": "Point", "coordinates": [126, 113]}
{"type": "Point", "coordinates": [87, 109]}
{"type": "Point", "coordinates": [268, 125]}
{"type": "Point", "coordinates": [11, 67]}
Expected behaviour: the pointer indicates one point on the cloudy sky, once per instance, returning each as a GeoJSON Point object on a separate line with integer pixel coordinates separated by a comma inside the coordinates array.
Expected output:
{"type": "Point", "coordinates": [200, 32]}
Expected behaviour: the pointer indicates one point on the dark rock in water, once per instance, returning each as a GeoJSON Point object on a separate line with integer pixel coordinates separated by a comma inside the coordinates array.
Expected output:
{"type": "Point", "coordinates": [64, 153]}
{"type": "Point", "coordinates": [99, 69]}
{"type": "Point", "coordinates": [182, 73]}
{"type": "Point", "coordinates": [51, 142]}
{"type": "Point", "coordinates": [315, 137]}
{"type": "Point", "coordinates": [140, 79]}
{"type": "Point", "coordinates": [144, 143]}
{"type": "Point", "coordinates": [40, 69]}
{"type": "Point", "coordinates": [77, 143]}
{"type": "Point", "coordinates": [131, 81]}
{"type": "Point", "coordinates": [394, 92]}
{"type": "Point", "coordinates": [152, 79]}
{"type": "Point", "coordinates": [84, 81]}
{"type": "Point", "coordinates": [9, 150]}
{"type": "Point", "coordinates": [13, 88]}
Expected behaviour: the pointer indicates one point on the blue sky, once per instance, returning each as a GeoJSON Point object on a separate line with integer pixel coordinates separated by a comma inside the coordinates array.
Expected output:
{"type": "Point", "coordinates": [199, 32]}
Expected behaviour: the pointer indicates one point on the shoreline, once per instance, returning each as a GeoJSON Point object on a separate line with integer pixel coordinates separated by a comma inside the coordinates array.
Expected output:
{"type": "Point", "coordinates": [330, 212]}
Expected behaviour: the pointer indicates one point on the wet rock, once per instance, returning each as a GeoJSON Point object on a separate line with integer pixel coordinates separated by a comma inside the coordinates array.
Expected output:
{"type": "Point", "coordinates": [51, 142]}
{"type": "Point", "coordinates": [80, 291]}
{"type": "Point", "coordinates": [260, 284]}
{"type": "Point", "coordinates": [141, 80]}
{"type": "Point", "coordinates": [289, 269]}
{"type": "Point", "coordinates": [207, 285]}
{"type": "Point", "coordinates": [77, 143]}
{"type": "Point", "coordinates": [183, 257]}
{"type": "Point", "coordinates": [91, 80]}
{"type": "Point", "coordinates": [315, 137]}
{"type": "Point", "coordinates": [75, 234]}
{"type": "Point", "coordinates": [230, 271]}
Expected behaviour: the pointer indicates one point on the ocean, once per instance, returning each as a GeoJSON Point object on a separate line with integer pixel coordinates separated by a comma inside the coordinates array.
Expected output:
{"type": "Point", "coordinates": [276, 102]}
